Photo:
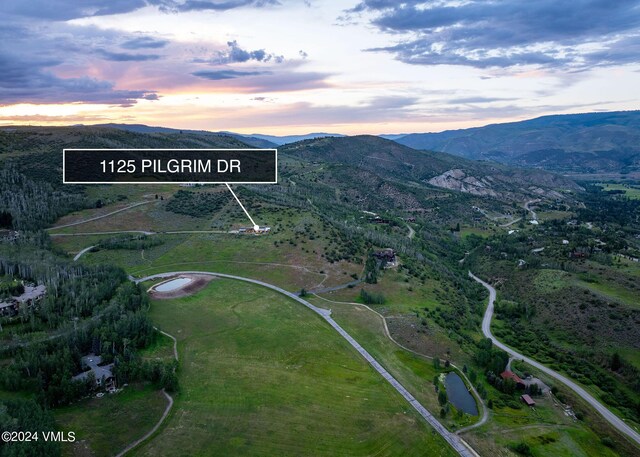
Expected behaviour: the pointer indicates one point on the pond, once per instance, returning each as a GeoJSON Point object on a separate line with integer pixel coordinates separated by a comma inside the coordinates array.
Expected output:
{"type": "Point", "coordinates": [458, 394]}
{"type": "Point", "coordinates": [173, 284]}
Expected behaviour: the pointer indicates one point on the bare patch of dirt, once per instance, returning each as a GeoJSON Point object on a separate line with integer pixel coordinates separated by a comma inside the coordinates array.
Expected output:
{"type": "Point", "coordinates": [197, 283]}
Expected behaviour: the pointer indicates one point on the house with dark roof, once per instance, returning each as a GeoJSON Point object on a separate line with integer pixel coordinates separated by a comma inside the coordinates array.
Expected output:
{"type": "Point", "coordinates": [103, 374]}
{"type": "Point", "coordinates": [387, 257]}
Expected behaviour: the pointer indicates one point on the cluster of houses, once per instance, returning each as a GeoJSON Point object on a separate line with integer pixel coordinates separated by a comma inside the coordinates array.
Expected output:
{"type": "Point", "coordinates": [520, 384]}
{"type": "Point", "coordinates": [31, 295]}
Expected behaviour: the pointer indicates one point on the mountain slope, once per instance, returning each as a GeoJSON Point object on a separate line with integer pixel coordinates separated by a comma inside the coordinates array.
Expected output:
{"type": "Point", "coordinates": [396, 162]}
{"type": "Point", "coordinates": [592, 142]}
{"type": "Point", "coordinates": [38, 150]}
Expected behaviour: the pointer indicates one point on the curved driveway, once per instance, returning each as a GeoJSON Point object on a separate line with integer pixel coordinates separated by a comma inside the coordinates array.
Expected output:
{"type": "Point", "coordinates": [455, 441]}
{"type": "Point", "coordinates": [614, 420]}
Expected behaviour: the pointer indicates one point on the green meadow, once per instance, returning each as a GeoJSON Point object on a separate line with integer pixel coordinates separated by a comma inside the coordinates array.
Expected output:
{"type": "Point", "coordinates": [262, 375]}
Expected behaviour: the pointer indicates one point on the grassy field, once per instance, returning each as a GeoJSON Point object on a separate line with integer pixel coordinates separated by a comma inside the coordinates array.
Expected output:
{"type": "Point", "coordinates": [294, 255]}
{"type": "Point", "coordinates": [160, 349]}
{"type": "Point", "coordinates": [548, 280]}
{"type": "Point", "coordinates": [104, 426]}
{"type": "Point", "coordinates": [612, 292]}
{"type": "Point", "coordinates": [250, 256]}
{"type": "Point", "coordinates": [630, 190]}
{"type": "Point", "coordinates": [262, 375]}
{"type": "Point", "coordinates": [466, 231]}
{"type": "Point", "coordinates": [628, 266]}
{"type": "Point", "coordinates": [415, 372]}
{"type": "Point", "coordinates": [402, 292]}
{"type": "Point", "coordinates": [125, 258]}
{"type": "Point", "coordinates": [148, 217]}
{"type": "Point", "coordinates": [551, 215]}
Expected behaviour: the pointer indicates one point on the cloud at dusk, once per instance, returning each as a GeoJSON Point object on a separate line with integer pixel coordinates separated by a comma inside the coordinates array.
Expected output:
{"type": "Point", "coordinates": [508, 33]}
{"type": "Point", "coordinates": [367, 66]}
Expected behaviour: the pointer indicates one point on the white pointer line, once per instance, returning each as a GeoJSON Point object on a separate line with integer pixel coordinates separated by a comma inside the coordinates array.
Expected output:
{"type": "Point", "coordinates": [256, 227]}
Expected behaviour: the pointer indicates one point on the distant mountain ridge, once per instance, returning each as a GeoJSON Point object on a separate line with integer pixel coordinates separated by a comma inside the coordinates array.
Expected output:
{"type": "Point", "coordinates": [256, 140]}
{"type": "Point", "coordinates": [280, 140]}
{"type": "Point", "coordinates": [581, 143]}
{"type": "Point", "coordinates": [142, 128]}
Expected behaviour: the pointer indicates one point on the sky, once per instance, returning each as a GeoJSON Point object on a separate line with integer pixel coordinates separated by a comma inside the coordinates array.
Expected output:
{"type": "Point", "coordinates": [297, 66]}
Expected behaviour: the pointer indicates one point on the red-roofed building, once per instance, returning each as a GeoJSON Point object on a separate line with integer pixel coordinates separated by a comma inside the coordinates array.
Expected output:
{"type": "Point", "coordinates": [528, 400]}
{"type": "Point", "coordinates": [511, 375]}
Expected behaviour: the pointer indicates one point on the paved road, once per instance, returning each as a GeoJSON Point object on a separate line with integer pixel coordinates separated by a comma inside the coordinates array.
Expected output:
{"type": "Point", "coordinates": [455, 441]}
{"type": "Point", "coordinates": [614, 420]}
{"type": "Point", "coordinates": [534, 216]}
{"type": "Point", "coordinates": [100, 217]}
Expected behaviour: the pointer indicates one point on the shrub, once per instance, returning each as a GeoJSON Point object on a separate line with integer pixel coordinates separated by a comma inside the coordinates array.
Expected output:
{"type": "Point", "coordinates": [372, 298]}
{"type": "Point", "coordinates": [521, 448]}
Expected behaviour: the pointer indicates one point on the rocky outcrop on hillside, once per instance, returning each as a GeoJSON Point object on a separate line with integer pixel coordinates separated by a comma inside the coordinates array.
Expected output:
{"type": "Point", "coordinates": [457, 179]}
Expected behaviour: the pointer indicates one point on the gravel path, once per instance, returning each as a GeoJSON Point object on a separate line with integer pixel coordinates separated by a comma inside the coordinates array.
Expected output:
{"type": "Point", "coordinates": [153, 430]}
{"type": "Point", "coordinates": [169, 398]}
